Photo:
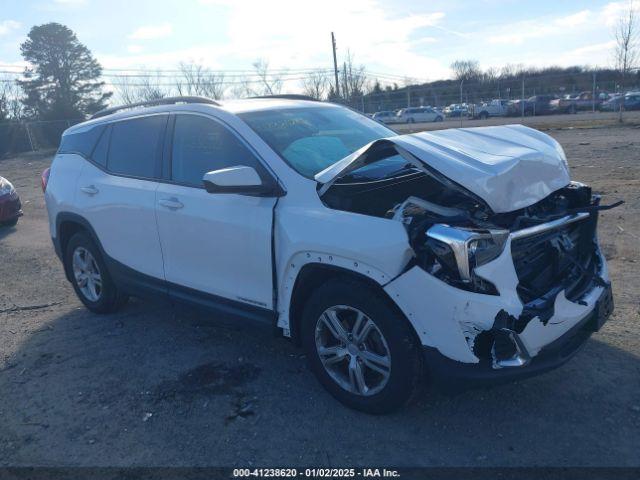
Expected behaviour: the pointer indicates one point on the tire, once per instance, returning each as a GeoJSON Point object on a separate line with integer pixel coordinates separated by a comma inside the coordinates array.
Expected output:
{"type": "Point", "coordinates": [105, 298]}
{"type": "Point", "coordinates": [391, 333]}
{"type": "Point", "coordinates": [484, 115]}
{"type": "Point", "coordinates": [411, 120]}
{"type": "Point", "coordinates": [438, 119]}
{"type": "Point", "coordinates": [10, 223]}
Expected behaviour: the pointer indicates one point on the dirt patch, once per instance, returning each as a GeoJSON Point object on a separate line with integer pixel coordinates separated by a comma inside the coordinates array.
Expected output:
{"type": "Point", "coordinates": [209, 379]}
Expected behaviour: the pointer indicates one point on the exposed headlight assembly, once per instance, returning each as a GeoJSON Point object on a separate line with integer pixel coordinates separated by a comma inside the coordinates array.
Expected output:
{"type": "Point", "coordinates": [5, 187]}
{"type": "Point", "coordinates": [465, 249]}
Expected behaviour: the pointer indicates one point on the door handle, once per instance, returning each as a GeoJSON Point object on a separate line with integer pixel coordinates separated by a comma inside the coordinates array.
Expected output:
{"type": "Point", "coordinates": [171, 203]}
{"type": "Point", "coordinates": [91, 190]}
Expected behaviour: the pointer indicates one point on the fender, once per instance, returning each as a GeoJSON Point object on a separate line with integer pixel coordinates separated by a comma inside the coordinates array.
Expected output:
{"type": "Point", "coordinates": [301, 259]}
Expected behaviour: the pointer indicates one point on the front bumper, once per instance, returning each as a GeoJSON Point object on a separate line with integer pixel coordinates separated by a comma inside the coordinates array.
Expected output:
{"type": "Point", "coordinates": [473, 329]}
{"type": "Point", "coordinates": [10, 207]}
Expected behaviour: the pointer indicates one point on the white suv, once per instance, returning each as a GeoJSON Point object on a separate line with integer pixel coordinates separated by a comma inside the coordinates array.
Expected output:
{"type": "Point", "coordinates": [465, 252]}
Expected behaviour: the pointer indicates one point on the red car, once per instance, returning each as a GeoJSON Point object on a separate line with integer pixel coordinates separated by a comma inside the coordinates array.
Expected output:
{"type": "Point", "coordinates": [10, 207]}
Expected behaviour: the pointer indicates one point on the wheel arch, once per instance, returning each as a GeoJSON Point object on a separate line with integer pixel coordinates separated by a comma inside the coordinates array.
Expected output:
{"type": "Point", "coordinates": [313, 274]}
{"type": "Point", "coordinates": [67, 225]}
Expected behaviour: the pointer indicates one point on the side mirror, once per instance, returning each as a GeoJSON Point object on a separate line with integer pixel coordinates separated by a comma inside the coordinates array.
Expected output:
{"type": "Point", "coordinates": [241, 180]}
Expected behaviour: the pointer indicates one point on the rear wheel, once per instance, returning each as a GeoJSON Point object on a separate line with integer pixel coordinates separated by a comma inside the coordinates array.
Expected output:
{"type": "Point", "coordinates": [89, 276]}
{"type": "Point", "coordinates": [360, 348]}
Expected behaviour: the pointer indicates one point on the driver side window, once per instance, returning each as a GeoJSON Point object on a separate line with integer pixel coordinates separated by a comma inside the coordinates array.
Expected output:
{"type": "Point", "coordinates": [201, 145]}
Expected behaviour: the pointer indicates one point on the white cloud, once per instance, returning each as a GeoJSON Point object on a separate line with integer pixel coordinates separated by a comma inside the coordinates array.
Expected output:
{"type": "Point", "coordinates": [134, 48]}
{"type": "Point", "coordinates": [596, 48]}
{"type": "Point", "coordinates": [574, 20]}
{"type": "Point", "coordinates": [149, 32]}
{"type": "Point", "coordinates": [612, 11]}
{"type": "Point", "coordinates": [287, 34]}
{"type": "Point", "coordinates": [204, 55]}
{"type": "Point", "coordinates": [8, 26]}
{"type": "Point", "coordinates": [519, 32]}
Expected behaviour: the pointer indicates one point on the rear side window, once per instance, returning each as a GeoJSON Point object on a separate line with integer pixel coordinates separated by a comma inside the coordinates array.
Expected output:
{"type": "Point", "coordinates": [135, 146]}
{"type": "Point", "coordinates": [81, 143]}
{"type": "Point", "coordinates": [201, 145]}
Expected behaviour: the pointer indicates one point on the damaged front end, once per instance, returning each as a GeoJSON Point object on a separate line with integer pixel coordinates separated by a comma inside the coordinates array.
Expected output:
{"type": "Point", "coordinates": [487, 284]}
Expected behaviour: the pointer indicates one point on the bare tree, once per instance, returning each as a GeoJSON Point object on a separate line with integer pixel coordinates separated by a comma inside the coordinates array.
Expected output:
{"type": "Point", "coordinates": [316, 85]}
{"type": "Point", "coordinates": [266, 83]}
{"type": "Point", "coordinates": [4, 99]}
{"type": "Point", "coordinates": [626, 49]}
{"type": "Point", "coordinates": [354, 79]}
{"type": "Point", "coordinates": [200, 81]}
{"type": "Point", "coordinates": [11, 107]}
{"type": "Point", "coordinates": [466, 70]}
{"type": "Point", "coordinates": [142, 88]}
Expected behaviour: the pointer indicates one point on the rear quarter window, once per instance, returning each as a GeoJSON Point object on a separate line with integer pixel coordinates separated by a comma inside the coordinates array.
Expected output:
{"type": "Point", "coordinates": [81, 143]}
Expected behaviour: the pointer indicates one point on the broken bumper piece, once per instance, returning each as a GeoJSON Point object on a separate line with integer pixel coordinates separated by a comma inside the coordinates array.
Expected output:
{"type": "Point", "coordinates": [454, 376]}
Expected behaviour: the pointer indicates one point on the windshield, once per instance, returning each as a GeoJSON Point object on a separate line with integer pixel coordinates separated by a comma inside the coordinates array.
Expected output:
{"type": "Point", "coordinates": [312, 139]}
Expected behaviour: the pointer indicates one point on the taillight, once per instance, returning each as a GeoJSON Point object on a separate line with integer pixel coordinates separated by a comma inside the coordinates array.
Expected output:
{"type": "Point", "coordinates": [44, 178]}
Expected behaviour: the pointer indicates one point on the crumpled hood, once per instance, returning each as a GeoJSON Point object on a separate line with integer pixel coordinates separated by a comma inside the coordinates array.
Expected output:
{"type": "Point", "coordinates": [509, 167]}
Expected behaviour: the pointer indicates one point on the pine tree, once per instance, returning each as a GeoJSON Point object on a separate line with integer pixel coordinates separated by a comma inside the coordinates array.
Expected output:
{"type": "Point", "coordinates": [63, 81]}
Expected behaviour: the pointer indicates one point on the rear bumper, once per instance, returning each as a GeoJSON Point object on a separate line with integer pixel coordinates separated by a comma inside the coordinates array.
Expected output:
{"type": "Point", "coordinates": [10, 207]}
{"type": "Point", "coordinates": [453, 375]}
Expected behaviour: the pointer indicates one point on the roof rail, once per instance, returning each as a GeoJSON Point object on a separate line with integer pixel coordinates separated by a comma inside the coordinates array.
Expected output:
{"type": "Point", "coordinates": [290, 96]}
{"type": "Point", "coordinates": [153, 103]}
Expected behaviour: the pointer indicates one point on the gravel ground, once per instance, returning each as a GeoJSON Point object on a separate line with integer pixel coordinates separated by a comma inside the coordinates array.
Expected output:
{"type": "Point", "coordinates": [156, 385]}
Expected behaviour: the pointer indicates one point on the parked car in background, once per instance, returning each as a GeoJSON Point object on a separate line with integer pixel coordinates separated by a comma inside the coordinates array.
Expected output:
{"type": "Point", "coordinates": [386, 116]}
{"type": "Point", "coordinates": [535, 105]}
{"type": "Point", "coordinates": [574, 103]}
{"type": "Point", "coordinates": [629, 101]}
{"type": "Point", "coordinates": [456, 110]}
{"type": "Point", "coordinates": [419, 115]}
{"type": "Point", "coordinates": [10, 207]}
{"type": "Point", "coordinates": [494, 108]}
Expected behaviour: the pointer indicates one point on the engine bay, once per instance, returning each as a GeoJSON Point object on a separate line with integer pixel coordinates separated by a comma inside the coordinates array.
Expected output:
{"type": "Point", "coordinates": [452, 231]}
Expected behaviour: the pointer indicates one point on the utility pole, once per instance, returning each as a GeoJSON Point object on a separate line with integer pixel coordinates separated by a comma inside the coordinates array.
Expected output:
{"type": "Point", "coordinates": [522, 99]}
{"type": "Point", "coordinates": [461, 102]}
{"type": "Point", "coordinates": [345, 88]}
{"type": "Point", "coordinates": [335, 64]}
{"type": "Point", "coordinates": [593, 93]}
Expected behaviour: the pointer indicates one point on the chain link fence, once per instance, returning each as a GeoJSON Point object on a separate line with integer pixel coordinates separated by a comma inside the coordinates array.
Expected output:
{"type": "Point", "coordinates": [31, 136]}
{"type": "Point", "coordinates": [600, 85]}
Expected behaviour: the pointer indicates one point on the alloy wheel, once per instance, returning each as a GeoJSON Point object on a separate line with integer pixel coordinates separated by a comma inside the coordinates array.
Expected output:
{"type": "Point", "coordinates": [353, 350]}
{"type": "Point", "coordinates": [87, 274]}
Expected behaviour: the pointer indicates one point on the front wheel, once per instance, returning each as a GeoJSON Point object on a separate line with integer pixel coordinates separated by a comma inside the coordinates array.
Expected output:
{"type": "Point", "coordinates": [361, 349]}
